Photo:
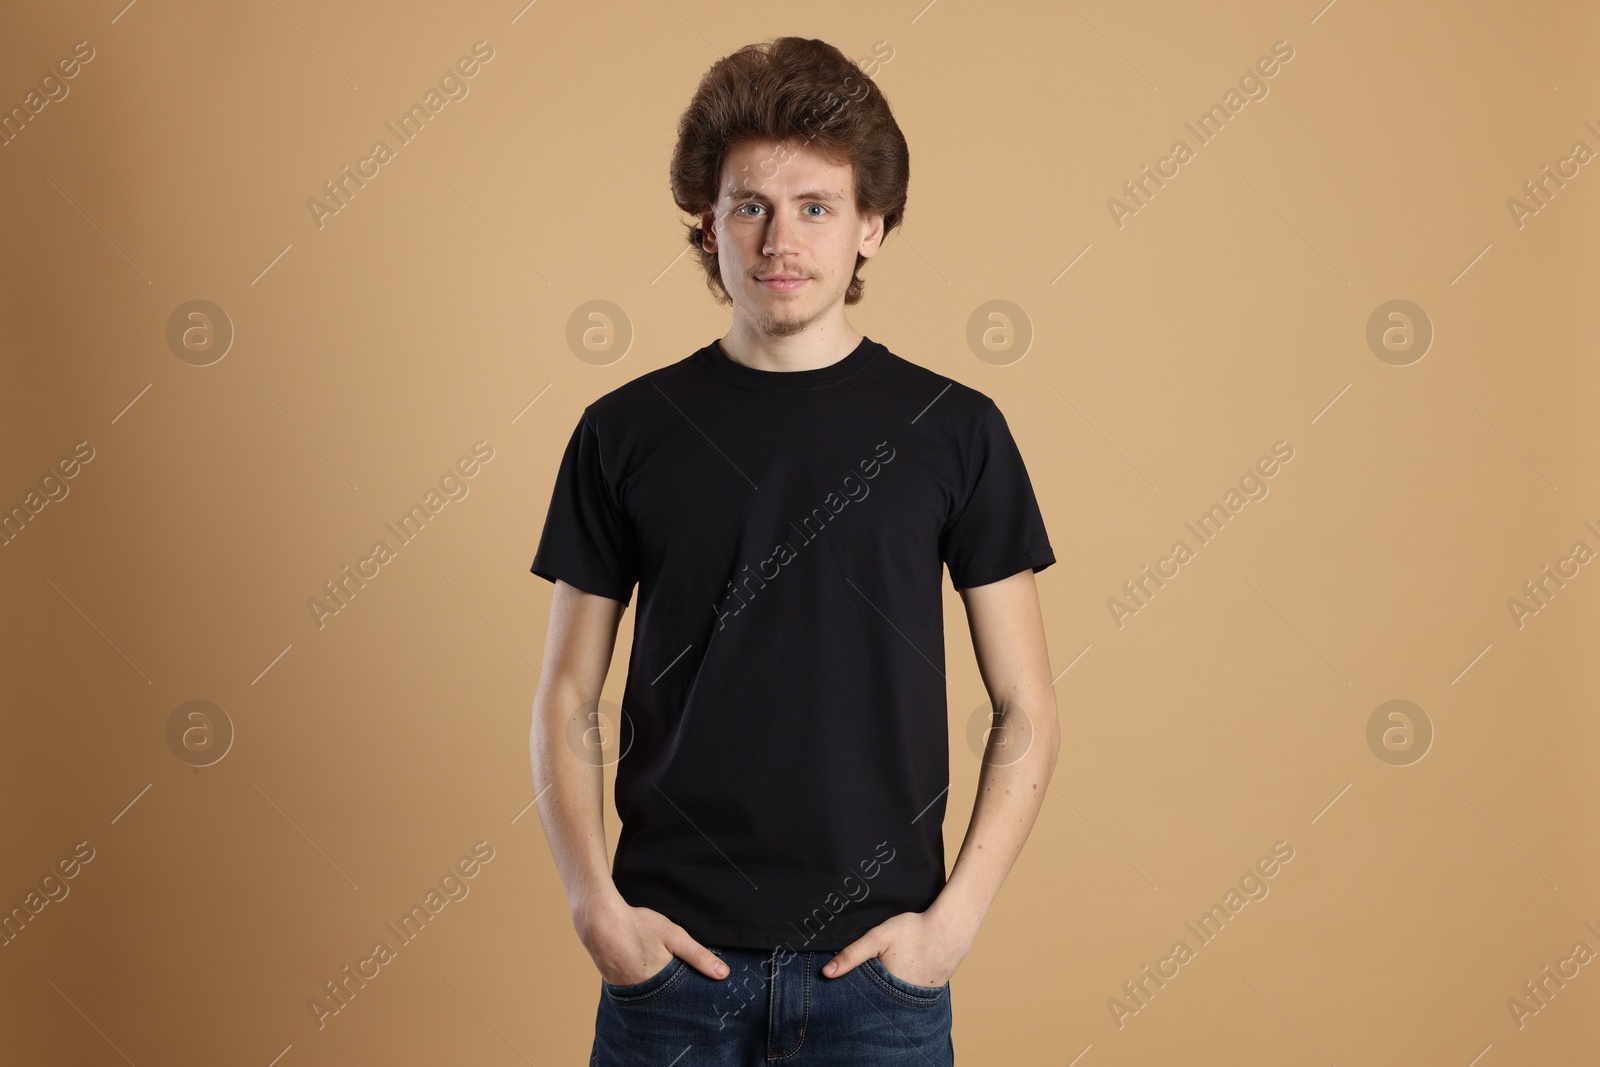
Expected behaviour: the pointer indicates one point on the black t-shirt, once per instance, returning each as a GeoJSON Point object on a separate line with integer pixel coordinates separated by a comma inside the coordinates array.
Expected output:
{"type": "Point", "coordinates": [785, 751]}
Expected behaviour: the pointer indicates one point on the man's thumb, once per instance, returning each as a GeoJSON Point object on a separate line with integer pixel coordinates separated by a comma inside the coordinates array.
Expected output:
{"type": "Point", "coordinates": [700, 958]}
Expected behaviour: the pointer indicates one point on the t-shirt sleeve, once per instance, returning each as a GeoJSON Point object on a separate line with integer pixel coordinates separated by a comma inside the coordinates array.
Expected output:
{"type": "Point", "coordinates": [998, 530]}
{"type": "Point", "coordinates": [588, 540]}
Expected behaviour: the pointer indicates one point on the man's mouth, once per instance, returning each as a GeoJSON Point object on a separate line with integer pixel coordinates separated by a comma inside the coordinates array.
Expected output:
{"type": "Point", "coordinates": [783, 283]}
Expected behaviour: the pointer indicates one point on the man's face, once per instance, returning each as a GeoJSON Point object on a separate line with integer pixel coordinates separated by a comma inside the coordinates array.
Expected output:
{"type": "Point", "coordinates": [786, 233]}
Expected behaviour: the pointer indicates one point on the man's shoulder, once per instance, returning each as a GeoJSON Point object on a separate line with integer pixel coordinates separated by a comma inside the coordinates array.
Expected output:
{"type": "Point", "coordinates": [942, 390]}
{"type": "Point", "coordinates": [625, 400]}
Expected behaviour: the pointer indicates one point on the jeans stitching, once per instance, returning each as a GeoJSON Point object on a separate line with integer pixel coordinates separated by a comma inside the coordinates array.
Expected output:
{"type": "Point", "coordinates": [666, 987]}
{"type": "Point", "coordinates": [772, 1004]}
{"type": "Point", "coordinates": [805, 1009]}
{"type": "Point", "coordinates": [919, 1000]}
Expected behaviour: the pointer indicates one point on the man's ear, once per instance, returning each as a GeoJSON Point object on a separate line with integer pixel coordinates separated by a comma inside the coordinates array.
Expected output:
{"type": "Point", "coordinates": [708, 232]}
{"type": "Point", "coordinates": [872, 240]}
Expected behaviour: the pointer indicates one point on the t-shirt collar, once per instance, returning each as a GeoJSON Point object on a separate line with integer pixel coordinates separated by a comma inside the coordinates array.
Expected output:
{"type": "Point", "coordinates": [723, 366]}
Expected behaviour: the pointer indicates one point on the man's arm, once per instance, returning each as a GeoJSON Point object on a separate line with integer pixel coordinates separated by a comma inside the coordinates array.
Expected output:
{"type": "Point", "coordinates": [627, 944]}
{"type": "Point", "coordinates": [1008, 637]}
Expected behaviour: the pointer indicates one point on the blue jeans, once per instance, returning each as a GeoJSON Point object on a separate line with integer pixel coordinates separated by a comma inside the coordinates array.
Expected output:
{"type": "Point", "coordinates": [775, 1007]}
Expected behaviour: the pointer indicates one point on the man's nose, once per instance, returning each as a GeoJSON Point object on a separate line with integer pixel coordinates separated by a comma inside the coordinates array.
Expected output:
{"type": "Point", "coordinates": [780, 235]}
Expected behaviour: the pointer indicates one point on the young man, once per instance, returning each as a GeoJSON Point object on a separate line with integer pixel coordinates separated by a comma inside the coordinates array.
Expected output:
{"type": "Point", "coordinates": [786, 499]}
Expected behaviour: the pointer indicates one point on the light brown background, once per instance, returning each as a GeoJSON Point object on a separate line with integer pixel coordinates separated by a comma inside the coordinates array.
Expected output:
{"type": "Point", "coordinates": [1230, 313]}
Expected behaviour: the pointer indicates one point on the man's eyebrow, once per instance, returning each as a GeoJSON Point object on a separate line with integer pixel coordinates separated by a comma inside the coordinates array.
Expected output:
{"type": "Point", "coordinates": [744, 193]}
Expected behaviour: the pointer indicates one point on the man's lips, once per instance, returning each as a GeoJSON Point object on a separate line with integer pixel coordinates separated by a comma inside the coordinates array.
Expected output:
{"type": "Point", "coordinates": [783, 283]}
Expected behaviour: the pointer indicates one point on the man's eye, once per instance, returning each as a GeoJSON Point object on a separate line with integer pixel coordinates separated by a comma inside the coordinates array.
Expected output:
{"type": "Point", "coordinates": [741, 207]}
{"type": "Point", "coordinates": [817, 206]}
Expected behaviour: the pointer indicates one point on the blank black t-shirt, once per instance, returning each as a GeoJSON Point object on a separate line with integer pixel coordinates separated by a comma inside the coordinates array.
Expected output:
{"type": "Point", "coordinates": [785, 726]}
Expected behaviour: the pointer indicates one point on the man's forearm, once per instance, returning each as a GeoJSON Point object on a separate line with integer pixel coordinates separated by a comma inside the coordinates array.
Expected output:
{"type": "Point", "coordinates": [1009, 797]}
{"type": "Point", "coordinates": [569, 789]}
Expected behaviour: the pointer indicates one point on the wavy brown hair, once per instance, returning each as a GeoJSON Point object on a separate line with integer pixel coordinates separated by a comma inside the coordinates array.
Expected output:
{"type": "Point", "coordinates": [790, 88]}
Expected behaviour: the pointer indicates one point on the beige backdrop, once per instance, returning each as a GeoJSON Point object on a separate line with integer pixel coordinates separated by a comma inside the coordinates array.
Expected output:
{"type": "Point", "coordinates": [228, 858]}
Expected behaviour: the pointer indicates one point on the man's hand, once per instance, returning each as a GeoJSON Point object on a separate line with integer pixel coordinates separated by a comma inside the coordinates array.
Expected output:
{"type": "Point", "coordinates": [919, 947]}
{"type": "Point", "coordinates": [630, 944]}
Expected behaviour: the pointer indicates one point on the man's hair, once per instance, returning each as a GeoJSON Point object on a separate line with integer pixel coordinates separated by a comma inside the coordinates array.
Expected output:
{"type": "Point", "coordinates": [795, 89]}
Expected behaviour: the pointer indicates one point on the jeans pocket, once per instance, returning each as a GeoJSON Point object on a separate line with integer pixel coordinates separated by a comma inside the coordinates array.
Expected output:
{"type": "Point", "coordinates": [657, 985]}
{"type": "Point", "coordinates": [900, 989]}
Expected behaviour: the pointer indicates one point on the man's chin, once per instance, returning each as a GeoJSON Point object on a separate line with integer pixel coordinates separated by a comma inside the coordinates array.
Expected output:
{"type": "Point", "coordinates": [778, 318]}
{"type": "Point", "coordinates": [781, 325]}
{"type": "Point", "coordinates": [784, 327]}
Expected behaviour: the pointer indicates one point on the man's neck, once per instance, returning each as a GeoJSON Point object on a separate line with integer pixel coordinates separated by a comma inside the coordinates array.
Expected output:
{"type": "Point", "coordinates": [815, 347]}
